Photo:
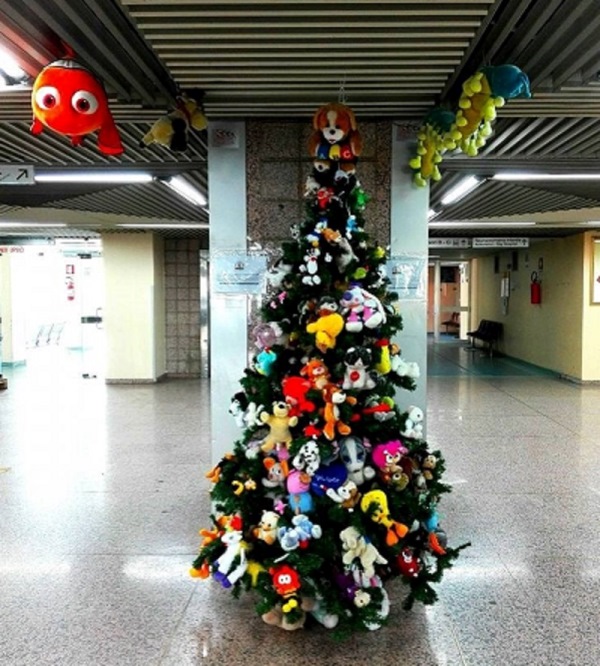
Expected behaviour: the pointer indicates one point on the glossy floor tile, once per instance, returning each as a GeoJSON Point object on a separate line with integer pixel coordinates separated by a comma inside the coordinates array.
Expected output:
{"type": "Point", "coordinates": [102, 492]}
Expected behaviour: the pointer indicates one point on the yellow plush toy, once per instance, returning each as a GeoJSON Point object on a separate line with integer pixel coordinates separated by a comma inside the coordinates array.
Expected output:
{"type": "Point", "coordinates": [327, 327]}
{"type": "Point", "coordinates": [280, 423]}
{"type": "Point", "coordinates": [172, 130]}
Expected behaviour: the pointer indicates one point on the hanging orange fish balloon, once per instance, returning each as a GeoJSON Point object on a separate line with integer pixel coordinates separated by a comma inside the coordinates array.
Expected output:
{"type": "Point", "coordinates": [69, 100]}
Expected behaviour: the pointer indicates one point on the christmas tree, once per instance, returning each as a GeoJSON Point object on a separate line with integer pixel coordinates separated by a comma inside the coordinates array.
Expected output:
{"type": "Point", "coordinates": [331, 490]}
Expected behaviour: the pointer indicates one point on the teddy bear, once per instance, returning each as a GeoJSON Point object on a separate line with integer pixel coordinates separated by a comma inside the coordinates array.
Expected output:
{"type": "Point", "coordinates": [172, 130]}
{"type": "Point", "coordinates": [328, 326]}
{"type": "Point", "coordinates": [361, 309]}
{"type": "Point", "coordinates": [413, 426]}
{"type": "Point", "coordinates": [279, 423]}
{"type": "Point", "coordinates": [356, 376]}
{"type": "Point", "coordinates": [357, 547]}
{"type": "Point", "coordinates": [317, 373]}
{"type": "Point", "coordinates": [267, 528]}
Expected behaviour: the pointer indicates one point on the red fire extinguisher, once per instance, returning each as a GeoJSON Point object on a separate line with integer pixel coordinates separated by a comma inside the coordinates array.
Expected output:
{"type": "Point", "coordinates": [536, 289]}
{"type": "Point", "coordinates": [70, 284]}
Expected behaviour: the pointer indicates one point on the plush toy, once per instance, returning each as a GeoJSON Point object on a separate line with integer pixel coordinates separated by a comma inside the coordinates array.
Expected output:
{"type": "Point", "coordinates": [413, 426]}
{"type": "Point", "coordinates": [275, 276]}
{"type": "Point", "coordinates": [408, 563]}
{"type": "Point", "coordinates": [334, 396]}
{"type": "Point", "coordinates": [235, 547]}
{"type": "Point", "coordinates": [279, 423]}
{"type": "Point", "coordinates": [298, 485]}
{"type": "Point", "coordinates": [381, 515]}
{"type": "Point", "coordinates": [277, 471]}
{"type": "Point", "coordinates": [353, 454]}
{"type": "Point", "coordinates": [361, 308]}
{"type": "Point", "coordinates": [310, 267]}
{"type": "Point", "coordinates": [381, 409]}
{"type": "Point", "coordinates": [317, 373]}
{"type": "Point", "coordinates": [264, 362]}
{"type": "Point", "coordinates": [431, 145]}
{"type": "Point", "coordinates": [357, 361]}
{"type": "Point", "coordinates": [428, 465]}
{"type": "Point", "coordinates": [384, 365]}
{"type": "Point", "coordinates": [173, 129]}
{"type": "Point", "coordinates": [342, 250]}
{"type": "Point", "coordinates": [336, 136]}
{"type": "Point", "coordinates": [328, 326]}
{"type": "Point", "coordinates": [69, 100]}
{"type": "Point", "coordinates": [298, 536]}
{"type": "Point", "coordinates": [286, 582]}
{"type": "Point", "coordinates": [252, 415]}
{"type": "Point", "coordinates": [236, 409]}
{"type": "Point", "coordinates": [267, 528]}
{"type": "Point", "coordinates": [347, 495]}
{"type": "Point", "coordinates": [308, 458]}
{"type": "Point", "coordinates": [357, 547]}
{"type": "Point", "coordinates": [294, 391]}
{"type": "Point", "coordinates": [387, 457]}
{"type": "Point", "coordinates": [404, 368]}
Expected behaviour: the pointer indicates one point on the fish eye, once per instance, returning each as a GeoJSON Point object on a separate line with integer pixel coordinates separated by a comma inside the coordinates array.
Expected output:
{"type": "Point", "coordinates": [84, 102]}
{"type": "Point", "coordinates": [47, 97]}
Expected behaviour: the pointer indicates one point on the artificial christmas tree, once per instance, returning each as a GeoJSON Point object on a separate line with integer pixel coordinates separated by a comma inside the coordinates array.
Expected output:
{"type": "Point", "coordinates": [331, 490]}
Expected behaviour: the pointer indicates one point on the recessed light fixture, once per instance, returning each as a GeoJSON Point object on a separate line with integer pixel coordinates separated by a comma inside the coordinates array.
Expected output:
{"type": "Point", "coordinates": [106, 176]}
{"type": "Point", "coordinates": [461, 190]}
{"type": "Point", "coordinates": [186, 190]}
{"type": "Point", "coordinates": [20, 225]}
{"type": "Point", "coordinates": [523, 175]}
{"type": "Point", "coordinates": [10, 72]}
{"type": "Point", "coordinates": [432, 213]}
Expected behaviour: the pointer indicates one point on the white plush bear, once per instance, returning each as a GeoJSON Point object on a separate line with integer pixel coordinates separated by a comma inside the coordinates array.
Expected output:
{"type": "Point", "coordinates": [414, 423]}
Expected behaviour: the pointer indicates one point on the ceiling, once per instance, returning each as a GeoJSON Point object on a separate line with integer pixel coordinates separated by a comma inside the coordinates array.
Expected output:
{"type": "Point", "coordinates": [277, 59]}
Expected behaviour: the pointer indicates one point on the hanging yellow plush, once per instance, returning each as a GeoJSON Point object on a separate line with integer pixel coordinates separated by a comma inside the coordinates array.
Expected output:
{"type": "Point", "coordinates": [431, 145]}
{"type": "Point", "coordinates": [482, 93]}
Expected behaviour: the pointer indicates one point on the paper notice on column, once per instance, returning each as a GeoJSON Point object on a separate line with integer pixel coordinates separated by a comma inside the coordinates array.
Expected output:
{"type": "Point", "coordinates": [408, 273]}
{"type": "Point", "coordinates": [239, 273]}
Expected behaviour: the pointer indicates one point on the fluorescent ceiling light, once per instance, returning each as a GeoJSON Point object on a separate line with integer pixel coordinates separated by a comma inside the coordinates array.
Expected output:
{"type": "Point", "coordinates": [17, 225]}
{"type": "Point", "coordinates": [186, 190]}
{"type": "Point", "coordinates": [460, 190]}
{"type": "Point", "coordinates": [107, 176]}
{"type": "Point", "coordinates": [523, 175]}
{"type": "Point", "coordinates": [432, 213]}
{"type": "Point", "coordinates": [10, 66]}
{"type": "Point", "coordinates": [163, 226]}
{"type": "Point", "coordinates": [481, 225]}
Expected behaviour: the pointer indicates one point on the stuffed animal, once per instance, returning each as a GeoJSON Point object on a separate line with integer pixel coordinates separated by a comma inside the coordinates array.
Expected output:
{"type": "Point", "coordinates": [264, 361]}
{"type": "Point", "coordinates": [404, 368]}
{"type": "Point", "coordinates": [413, 426]}
{"type": "Point", "coordinates": [235, 547]}
{"type": "Point", "coordinates": [342, 250]}
{"type": "Point", "coordinates": [69, 100]}
{"type": "Point", "coordinates": [294, 391]}
{"type": "Point", "coordinates": [173, 129]}
{"type": "Point", "coordinates": [298, 536]}
{"type": "Point", "coordinates": [286, 583]}
{"type": "Point", "coordinates": [277, 471]}
{"type": "Point", "coordinates": [347, 495]}
{"type": "Point", "coordinates": [298, 485]}
{"type": "Point", "coordinates": [334, 396]}
{"type": "Point", "coordinates": [353, 454]}
{"type": "Point", "coordinates": [317, 373]}
{"type": "Point", "coordinates": [381, 409]}
{"type": "Point", "coordinates": [381, 515]}
{"type": "Point", "coordinates": [267, 528]}
{"type": "Point", "coordinates": [308, 458]}
{"type": "Point", "coordinates": [336, 136]}
{"type": "Point", "coordinates": [279, 423]}
{"type": "Point", "coordinates": [356, 547]}
{"type": "Point", "coordinates": [361, 308]}
{"type": "Point", "coordinates": [384, 365]}
{"type": "Point", "coordinates": [310, 268]}
{"type": "Point", "coordinates": [328, 326]}
{"type": "Point", "coordinates": [428, 465]}
{"type": "Point", "coordinates": [387, 457]}
{"type": "Point", "coordinates": [408, 563]}
{"type": "Point", "coordinates": [357, 361]}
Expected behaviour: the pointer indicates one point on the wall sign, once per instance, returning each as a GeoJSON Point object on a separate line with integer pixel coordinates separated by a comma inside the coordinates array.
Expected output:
{"type": "Point", "coordinates": [500, 242]}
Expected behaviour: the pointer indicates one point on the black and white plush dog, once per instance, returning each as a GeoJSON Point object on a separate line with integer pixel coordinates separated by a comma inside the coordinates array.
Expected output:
{"type": "Point", "coordinates": [357, 375]}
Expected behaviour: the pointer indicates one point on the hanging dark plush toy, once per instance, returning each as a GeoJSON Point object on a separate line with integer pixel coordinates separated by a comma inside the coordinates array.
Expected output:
{"type": "Point", "coordinates": [68, 99]}
{"type": "Point", "coordinates": [172, 130]}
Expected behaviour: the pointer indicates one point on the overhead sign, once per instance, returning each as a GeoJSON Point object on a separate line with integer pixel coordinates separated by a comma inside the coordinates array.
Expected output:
{"type": "Point", "coordinates": [500, 242]}
{"type": "Point", "coordinates": [449, 242]}
{"type": "Point", "coordinates": [16, 174]}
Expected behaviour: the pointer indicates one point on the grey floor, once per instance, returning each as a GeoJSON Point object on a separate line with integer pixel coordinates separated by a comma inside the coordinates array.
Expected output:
{"type": "Point", "coordinates": [102, 492]}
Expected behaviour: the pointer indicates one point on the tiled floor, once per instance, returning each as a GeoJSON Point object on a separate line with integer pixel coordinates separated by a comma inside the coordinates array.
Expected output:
{"type": "Point", "coordinates": [100, 509]}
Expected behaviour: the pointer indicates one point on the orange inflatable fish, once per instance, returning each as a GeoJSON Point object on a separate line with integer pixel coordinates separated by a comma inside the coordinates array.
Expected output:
{"type": "Point", "coordinates": [69, 100]}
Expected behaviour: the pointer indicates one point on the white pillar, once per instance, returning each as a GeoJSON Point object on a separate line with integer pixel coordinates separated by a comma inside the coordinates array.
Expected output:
{"type": "Point", "coordinates": [409, 255]}
{"type": "Point", "coordinates": [228, 311]}
{"type": "Point", "coordinates": [134, 308]}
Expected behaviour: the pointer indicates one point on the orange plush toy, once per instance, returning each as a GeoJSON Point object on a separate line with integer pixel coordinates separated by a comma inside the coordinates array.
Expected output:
{"type": "Point", "coordinates": [336, 136]}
